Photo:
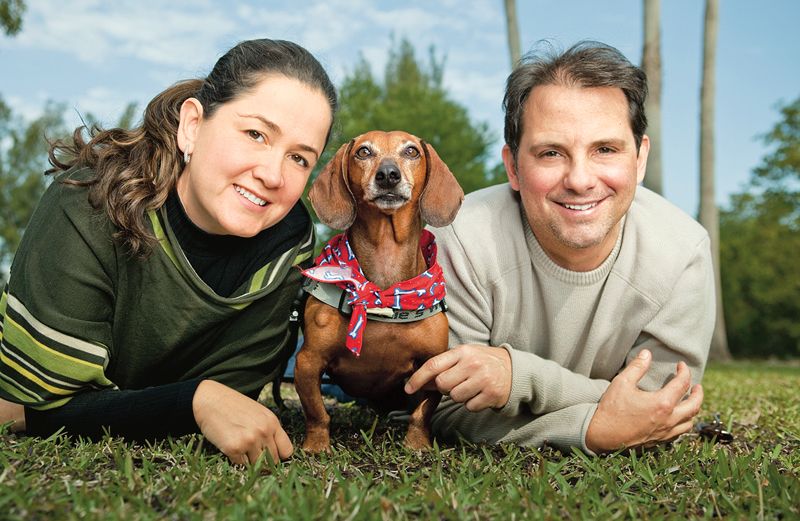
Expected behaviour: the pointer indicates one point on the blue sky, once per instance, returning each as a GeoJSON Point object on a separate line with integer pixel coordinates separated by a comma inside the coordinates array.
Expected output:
{"type": "Point", "coordinates": [96, 56]}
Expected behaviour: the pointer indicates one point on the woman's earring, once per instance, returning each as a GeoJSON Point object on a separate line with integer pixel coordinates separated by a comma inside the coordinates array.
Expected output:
{"type": "Point", "coordinates": [186, 157]}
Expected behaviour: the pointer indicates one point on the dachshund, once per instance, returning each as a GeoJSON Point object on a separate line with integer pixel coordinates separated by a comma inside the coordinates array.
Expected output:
{"type": "Point", "coordinates": [376, 294]}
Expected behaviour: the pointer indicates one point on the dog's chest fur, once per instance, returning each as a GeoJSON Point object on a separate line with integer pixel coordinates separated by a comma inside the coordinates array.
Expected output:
{"type": "Point", "coordinates": [390, 352]}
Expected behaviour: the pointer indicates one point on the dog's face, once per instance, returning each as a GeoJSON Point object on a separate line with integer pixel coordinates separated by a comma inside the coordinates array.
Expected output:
{"type": "Point", "coordinates": [386, 171]}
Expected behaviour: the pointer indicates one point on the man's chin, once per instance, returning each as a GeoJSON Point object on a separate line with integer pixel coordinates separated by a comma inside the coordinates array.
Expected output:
{"type": "Point", "coordinates": [581, 236]}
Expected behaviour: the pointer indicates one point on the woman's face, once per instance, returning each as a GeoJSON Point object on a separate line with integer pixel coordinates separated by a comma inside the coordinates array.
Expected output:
{"type": "Point", "coordinates": [251, 160]}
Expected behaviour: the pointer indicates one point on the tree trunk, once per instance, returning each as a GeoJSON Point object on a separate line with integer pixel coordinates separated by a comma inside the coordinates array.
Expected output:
{"type": "Point", "coordinates": [651, 63]}
{"type": "Point", "coordinates": [512, 30]}
{"type": "Point", "coordinates": [709, 214]}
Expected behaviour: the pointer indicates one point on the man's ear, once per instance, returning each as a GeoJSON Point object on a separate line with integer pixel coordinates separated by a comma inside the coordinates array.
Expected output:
{"type": "Point", "coordinates": [641, 159]}
{"type": "Point", "coordinates": [189, 125]}
{"type": "Point", "coordinates": [511, 167]}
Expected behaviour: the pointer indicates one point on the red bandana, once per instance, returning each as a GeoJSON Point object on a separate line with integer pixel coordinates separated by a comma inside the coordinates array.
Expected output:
{"type": "Point", "coordinates": [337, 264]}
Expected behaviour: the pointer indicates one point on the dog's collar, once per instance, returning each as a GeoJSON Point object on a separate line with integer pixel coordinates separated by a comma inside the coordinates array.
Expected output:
{"type": "Point", "coordinates": [338, 266]}
{"type": "Point", "coordinates": [336, 297]}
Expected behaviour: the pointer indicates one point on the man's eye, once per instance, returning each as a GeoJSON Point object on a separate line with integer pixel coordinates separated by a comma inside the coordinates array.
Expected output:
{"type": "Point", "coordinates": [550, 153]}
{"type": "Point", "coordinates": [255, 135]}
{"type": "Point", "coordinates": [363, 152]}
{"type": "Point", "coordinates": [605, 150]}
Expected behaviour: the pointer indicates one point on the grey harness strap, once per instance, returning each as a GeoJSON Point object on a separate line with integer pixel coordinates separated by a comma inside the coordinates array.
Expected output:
{"type": "Point", "coordinates": [336, 297]}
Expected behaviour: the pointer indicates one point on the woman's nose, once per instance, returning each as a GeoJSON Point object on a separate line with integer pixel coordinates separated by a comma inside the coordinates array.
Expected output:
{"type": "Point", "coordinates": [270, 172]}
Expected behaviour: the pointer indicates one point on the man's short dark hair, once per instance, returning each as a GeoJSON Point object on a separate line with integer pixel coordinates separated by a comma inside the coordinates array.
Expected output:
{"type": "Point", "coordinates": [585, 64]}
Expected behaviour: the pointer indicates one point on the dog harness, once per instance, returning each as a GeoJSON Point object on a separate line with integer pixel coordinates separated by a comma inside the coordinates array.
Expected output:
{"type": "Point", "coordinates": [337, 280]}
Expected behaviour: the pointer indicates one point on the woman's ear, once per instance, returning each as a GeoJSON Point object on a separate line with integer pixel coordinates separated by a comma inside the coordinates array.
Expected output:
{"type": "Point", "coordinates": [189, 125]}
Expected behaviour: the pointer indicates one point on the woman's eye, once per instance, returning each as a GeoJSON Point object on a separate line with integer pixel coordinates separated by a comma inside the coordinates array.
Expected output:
{"type": "Point", "coordinates": [363, 152]}
{"type": "Point", "coordinates": [300, 160]}
{"type": "Point", "coordinates": [411, 152]}
{"type": "Point", "coordinates": [255, 135]}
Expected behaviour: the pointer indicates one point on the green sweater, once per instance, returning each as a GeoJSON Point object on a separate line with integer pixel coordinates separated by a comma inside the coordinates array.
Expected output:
{"type": "Point", "coordinates": [569, 333]}
{"type": "Point", "coordinates": [80, 314]}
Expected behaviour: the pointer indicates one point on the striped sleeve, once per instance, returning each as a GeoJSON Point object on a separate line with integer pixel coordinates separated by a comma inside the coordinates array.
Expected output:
{"type": "Point", "coordinates": [41, 367]}
{"type": "Point", "coordinates": [57, 307]}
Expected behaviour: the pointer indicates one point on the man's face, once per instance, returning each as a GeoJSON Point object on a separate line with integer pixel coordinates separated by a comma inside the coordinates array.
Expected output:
{"type": "Point", "coordinates": [577, 169]}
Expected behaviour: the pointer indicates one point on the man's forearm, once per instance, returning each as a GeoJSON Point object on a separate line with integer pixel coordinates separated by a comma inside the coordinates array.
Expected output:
{"type": "Point", "coordinates": [543, 386]}
{"type": "Point", "coordinates": [563, 429]}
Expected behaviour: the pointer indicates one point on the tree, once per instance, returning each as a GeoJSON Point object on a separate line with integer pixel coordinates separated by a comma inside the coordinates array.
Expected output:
{"type": "Point", "coordinates": [11, 12]}
{"type": "Point", "coordinates": [651, 63]}
{"type": "Point", "coordinates": [512, 30]}
{"type": "Point", "coordinates": [709, 214]}
{"type": "Point", "coordinates": [411, 97]}
{"type": "Point", "coordinates": [23, 160]}
{"type": "Point", "coordinates": [760, 234]}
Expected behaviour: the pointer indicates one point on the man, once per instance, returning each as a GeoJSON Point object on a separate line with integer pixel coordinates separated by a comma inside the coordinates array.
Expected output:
{"type": "Point", "coordinates": [597, 293]}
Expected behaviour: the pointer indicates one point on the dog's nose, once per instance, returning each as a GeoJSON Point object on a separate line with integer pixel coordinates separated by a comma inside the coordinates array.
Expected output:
{"type": "Point", "coordinates": [388, 175]}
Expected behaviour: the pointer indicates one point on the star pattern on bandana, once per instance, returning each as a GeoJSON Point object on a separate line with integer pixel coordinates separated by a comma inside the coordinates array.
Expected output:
{"type": "Point", "coordinates": [337, 264]}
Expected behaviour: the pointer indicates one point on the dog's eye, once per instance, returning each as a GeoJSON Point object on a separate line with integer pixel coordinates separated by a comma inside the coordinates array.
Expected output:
{"type": "Point", "coordinates": [363, 152]}
{"type": "Point", "coordinates": [411, 152]}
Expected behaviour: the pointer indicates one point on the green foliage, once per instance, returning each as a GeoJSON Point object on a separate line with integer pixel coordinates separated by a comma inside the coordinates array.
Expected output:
{"type": "Point", "coordinates": [126, 120]}
{"type": "Point", "coordinates": [11, 12]}
{"type": "Point", "coordinates": [128, 117]}
{"type": "Point", "coordinates": [760, 248]}
{"type": "Point", "coordinates": [23, 160]}
{"type": "Point", "coordinates": [780, 170]}
{"type": "Point", "coordinates": [369, 475]}
{"type": "Point", "coordinates": [411, 97]}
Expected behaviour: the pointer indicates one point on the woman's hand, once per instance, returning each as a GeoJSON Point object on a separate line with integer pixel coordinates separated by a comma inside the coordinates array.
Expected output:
{"type": "Point", "coordinates": [12, 412]}
{"type": "Point", "coordinates": [238, 426]}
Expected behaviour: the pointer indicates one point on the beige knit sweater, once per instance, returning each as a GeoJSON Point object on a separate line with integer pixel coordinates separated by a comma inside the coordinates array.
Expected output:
{"type": "Point", "coordinates": [569, 333]}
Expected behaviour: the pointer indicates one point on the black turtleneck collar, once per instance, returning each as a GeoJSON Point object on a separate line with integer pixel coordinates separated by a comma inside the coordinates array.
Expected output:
{"type": "Point", "coordinates": [225, 262]}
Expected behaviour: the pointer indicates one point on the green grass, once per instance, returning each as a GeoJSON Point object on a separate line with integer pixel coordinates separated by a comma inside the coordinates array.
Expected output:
{"type": "Point", "coordinates": [370, 476]}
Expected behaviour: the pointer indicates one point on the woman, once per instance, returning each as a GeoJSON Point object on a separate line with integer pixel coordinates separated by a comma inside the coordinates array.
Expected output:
{"type": "Point", "coordinates": [150, 295]}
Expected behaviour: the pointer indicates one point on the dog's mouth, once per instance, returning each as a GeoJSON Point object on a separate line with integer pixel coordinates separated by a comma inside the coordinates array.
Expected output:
{"type": "Point", "coordinates": [389, 200]}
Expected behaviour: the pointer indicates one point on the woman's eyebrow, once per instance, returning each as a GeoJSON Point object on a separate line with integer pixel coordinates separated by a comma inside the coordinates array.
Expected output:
{"type": "Point", "coordinates": [277, 130]}
{"type": "Point", "coordinates": [267, 123]}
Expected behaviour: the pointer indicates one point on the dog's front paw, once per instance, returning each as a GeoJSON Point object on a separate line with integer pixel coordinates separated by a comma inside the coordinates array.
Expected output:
{"type": "Point", "coordinates": [417, 439]}
{"type": "Point", "coordinates": [317, 442]}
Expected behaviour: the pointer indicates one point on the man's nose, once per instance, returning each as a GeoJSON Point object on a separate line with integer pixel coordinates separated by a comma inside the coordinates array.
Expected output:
{"type": "Point", "coordinates": [580, 177]}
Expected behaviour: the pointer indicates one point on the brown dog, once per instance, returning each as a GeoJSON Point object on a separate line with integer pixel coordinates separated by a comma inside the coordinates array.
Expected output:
{"type": "Point", "coordinates": [380, 186]}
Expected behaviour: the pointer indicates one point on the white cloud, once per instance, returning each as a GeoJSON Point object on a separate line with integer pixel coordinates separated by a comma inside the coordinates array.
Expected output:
{"type": "Point", "coordinates": [105, 104]}
{"type": "Point", "coordinates": [29, 107]}
{"type": "Point", "coordinates": [160, 32]}
{"type": "Point", "coordinates": [175, 39]}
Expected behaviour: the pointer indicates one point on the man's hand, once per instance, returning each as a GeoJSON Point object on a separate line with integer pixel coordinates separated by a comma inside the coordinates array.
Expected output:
{"type": "Point", "coordinates": [238, 426]}
{"type": "Point", "coordinates": [477, 376]}
{"type": "Point", "coordinates": [12, 412]}
{"type": "Point", "coordinates": [627, 416]}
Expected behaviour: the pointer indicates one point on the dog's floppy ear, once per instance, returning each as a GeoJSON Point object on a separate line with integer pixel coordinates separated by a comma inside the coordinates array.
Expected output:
{"type": "Point", "coordinates": [442, 196]}
{"type": "Point", "coordinates": [330, 194]}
